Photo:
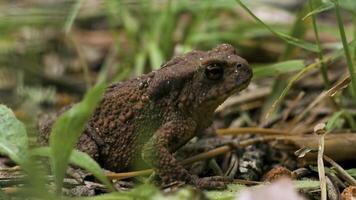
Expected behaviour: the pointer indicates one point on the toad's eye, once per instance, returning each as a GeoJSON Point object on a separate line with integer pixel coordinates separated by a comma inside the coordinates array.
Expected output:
{"type": "Point", "coordinates": [214, 71]}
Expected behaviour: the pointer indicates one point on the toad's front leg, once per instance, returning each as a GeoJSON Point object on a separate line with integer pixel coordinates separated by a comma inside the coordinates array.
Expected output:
{"type": "Point", "coordinates": [158, 153]}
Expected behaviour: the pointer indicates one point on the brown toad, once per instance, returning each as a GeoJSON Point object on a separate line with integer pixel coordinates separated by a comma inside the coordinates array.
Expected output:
{"type": "Point", "coordinates": [144, 120]}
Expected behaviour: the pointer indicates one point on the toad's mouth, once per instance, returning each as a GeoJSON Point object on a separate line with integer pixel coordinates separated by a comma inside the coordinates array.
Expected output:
{"type": "Point", "coordinates": [243, 84]}
{"type": "Point", "coordinates": [243, 78]}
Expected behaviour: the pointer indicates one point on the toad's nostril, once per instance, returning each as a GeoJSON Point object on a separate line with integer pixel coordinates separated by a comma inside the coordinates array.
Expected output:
{"type": "Point", "coordinates": [238, 66]}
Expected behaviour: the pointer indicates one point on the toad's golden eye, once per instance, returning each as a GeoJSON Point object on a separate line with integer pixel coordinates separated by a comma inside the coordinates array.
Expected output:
{"type": "Point", "coordinates": [214, 71]}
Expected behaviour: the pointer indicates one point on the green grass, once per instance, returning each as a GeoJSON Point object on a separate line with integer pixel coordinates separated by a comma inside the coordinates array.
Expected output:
{"type": "Point", "coordinates": [323, 68]}
{"type": "Point", "coordinates": [349, 62]}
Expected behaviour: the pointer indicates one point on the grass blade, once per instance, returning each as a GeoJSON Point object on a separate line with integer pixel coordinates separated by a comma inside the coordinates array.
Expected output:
{"type": "Point", "coordinates": [67, 130]}
{"type": "Point", "coordinates": [323, 68]}
{"type": "Point", "coordinates": [346, 47]}
{"type": "Point", "coordinates": [349, 5]}
{"type": "Point", "coordinates": [297, 30]}
{"type": "Point", "coordinates": [320, 9]}
{"type": "Point", "coordinates": [81, 160]}
{"type": "Point", "coordinates": [296, 77]}
{"type": "Point", "coordinates": [287, 38]}
{"type": "Point", "coordinates": [155, 55]}
{"type": "Point", "coordinates": [278, 68]}
{"type": "Point", "coordinates": [84, 161]}
{"type": "Point", "coordinates": [69, 22]}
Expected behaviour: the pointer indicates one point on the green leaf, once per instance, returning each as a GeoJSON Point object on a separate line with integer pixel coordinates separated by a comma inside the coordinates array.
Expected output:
{"type": "Point", "coordinates": [287, 38]}
{"type": "Point", "coordinates": [81, 160]}
{"type": "Point", "coordinates": [84, 161]}
{"type": "Point", "coordinates": [306, 69]}
{"type": "Point", "coordinates": [130, 23]}
{"type": "Point", "coordinates": [320, 9]}
{"type": "Point", "coordinates": [335, 121]}
{"type": "Point", "coordinates": [155, 54]}
{"type": "Point", "coordinates": [4, 196]}
{"type": "Point", "coordinates": [349, 5]}
{"type": "Point", "coordinates": [146, 192]}
{"type": "Point", "coordinates": [278, 68]}
{"type": "Point", "coordinates": [306, 184]}
{"type": "Point", "coordinates": [67, 129]}
{"type": "Point", "coordinates": [229, 193]}
{"type": "Point", "coordinates": [140, 59]}
{"type": "Point", "coordinates": [13, 136]}
{"type": "Point", "coordinates": [14, 143]}
{"type": "Point", "coordinates": [352, 172]}
{"type": "Point", "coordinates": [297, 42]}
{"type": "Point", "coordinates": [73, 14]}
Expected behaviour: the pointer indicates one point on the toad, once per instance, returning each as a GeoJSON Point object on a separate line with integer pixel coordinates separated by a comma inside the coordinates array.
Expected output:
{"type": "Point", "coordinates": [144, 120]}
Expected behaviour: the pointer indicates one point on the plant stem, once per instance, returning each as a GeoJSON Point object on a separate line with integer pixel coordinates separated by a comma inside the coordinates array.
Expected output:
{"type": "Point", "coordinates": [342, 173]}
{"type": "Point", "coordinates": [323, 68]}
{"type": "Point", "coordinates": [73, 14]}
{"type": "Point", "coordinates": [321, 169]}
{"type": "Point", "coordinates": [346, 48]}
{"type": "Point", "coordinates": [354, 25]}
{"type": "Point", "coordinates": [320, 131]}
{"type": "Point", "coordinates": [297, 30]}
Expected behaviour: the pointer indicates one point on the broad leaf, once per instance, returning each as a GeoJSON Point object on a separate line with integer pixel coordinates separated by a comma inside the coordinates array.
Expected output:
{"type": "Point", "coordinates": [13, 136]}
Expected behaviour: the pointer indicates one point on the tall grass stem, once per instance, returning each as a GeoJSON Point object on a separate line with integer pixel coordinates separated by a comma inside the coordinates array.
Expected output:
{"type": "Point", "coordinates": [354, 26]}
{"type": "Point", "coordinates": [346, 48]}
{"type": "Point", "coordinates": [73, 14]}
{"type": "Point", "coordinates": [323, 68]}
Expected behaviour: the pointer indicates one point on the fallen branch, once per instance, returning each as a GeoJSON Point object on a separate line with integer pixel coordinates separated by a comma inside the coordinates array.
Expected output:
{"type": "Point", "coordinates": [251, 130]}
